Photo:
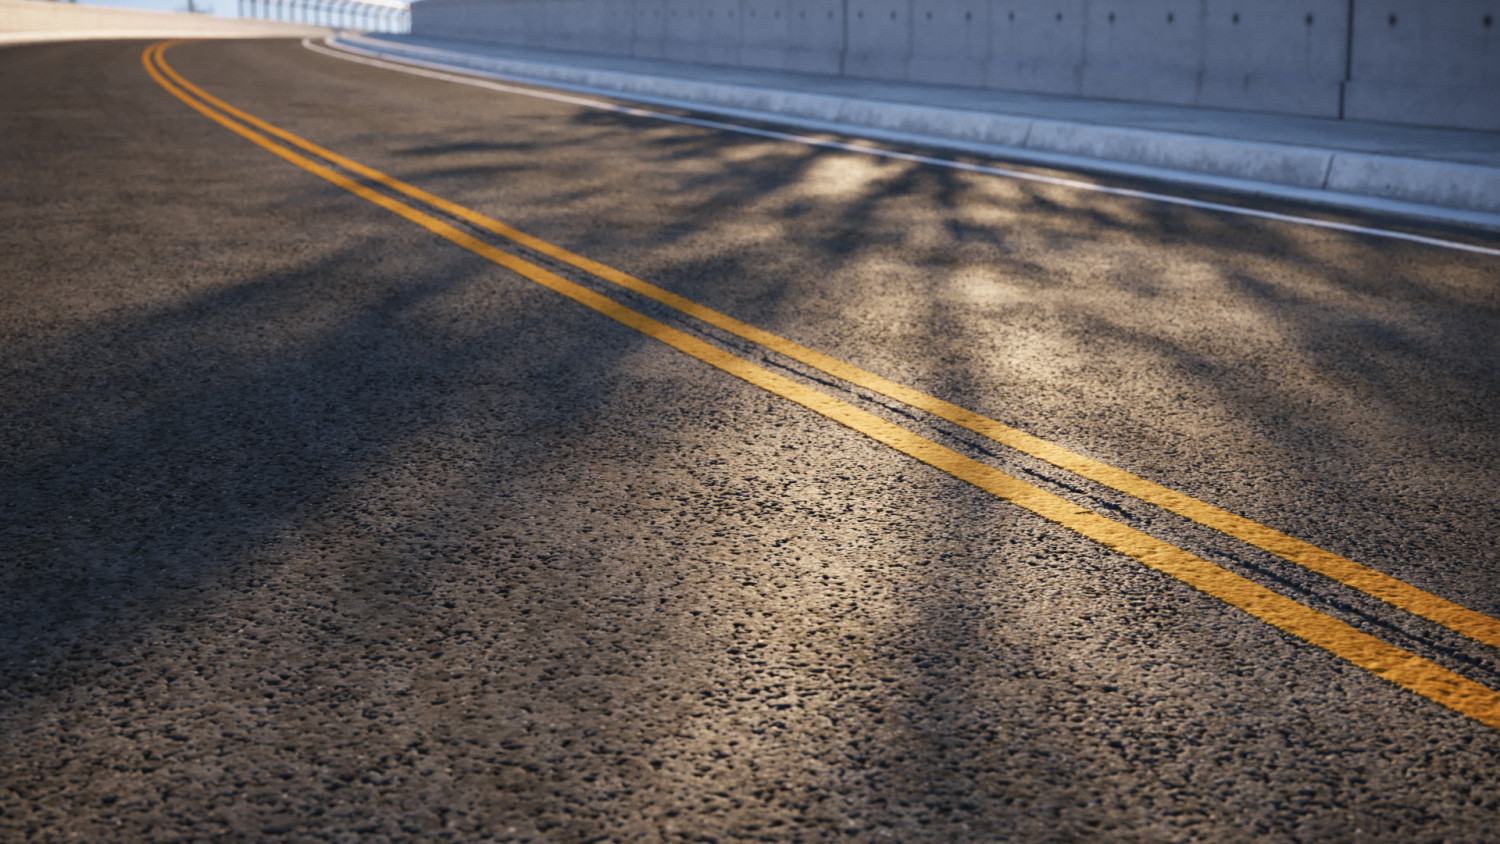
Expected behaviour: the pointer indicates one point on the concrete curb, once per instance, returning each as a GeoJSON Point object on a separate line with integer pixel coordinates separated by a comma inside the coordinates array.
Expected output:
{"type": "Point", "coordinates": [1436, 190]}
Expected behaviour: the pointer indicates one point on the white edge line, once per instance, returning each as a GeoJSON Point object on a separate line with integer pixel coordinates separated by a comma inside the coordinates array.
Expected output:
{"type": "Point", "coordinates": [417, 67]}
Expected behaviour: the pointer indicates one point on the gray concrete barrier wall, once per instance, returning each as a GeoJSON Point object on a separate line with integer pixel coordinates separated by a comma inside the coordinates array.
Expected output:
{"type": "Point", "coordinates": [1429, 62]}
{"type": "Point", "coordinates": [31, 20]}
{"type": "Point", "coordinates": [1433, 62]}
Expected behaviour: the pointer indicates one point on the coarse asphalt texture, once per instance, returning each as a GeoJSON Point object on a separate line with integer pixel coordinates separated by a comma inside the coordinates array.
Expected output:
{"type": "Point", "coordinates": [318, 527]}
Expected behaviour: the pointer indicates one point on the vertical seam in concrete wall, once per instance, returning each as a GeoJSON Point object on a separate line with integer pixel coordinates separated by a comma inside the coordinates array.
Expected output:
{"type": "Point", "coordinates": [1202, 55]}
{"type": "Point", "coordinates": [635, 28]}
{"type": "Point", "coordinates": [911, 36]}
{"type": "Point", "coordinates": [742, 38]}
{"type": "Point", "coordinates": [1086, 49]}
{"type": "Point", "coordinates": [844, 37]}
{"type": "Point", "coordinates": [989, 42]}
{"type": "Point", "coordinates": [1348, 57]}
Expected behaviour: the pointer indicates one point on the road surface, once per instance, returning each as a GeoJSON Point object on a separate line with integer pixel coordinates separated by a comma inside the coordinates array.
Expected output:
{"type": "Point", "coordinates": [836, 497]}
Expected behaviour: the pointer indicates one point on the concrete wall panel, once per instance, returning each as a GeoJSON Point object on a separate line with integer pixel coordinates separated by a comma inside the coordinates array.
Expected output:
{"type": "Point", "coordinates": [681, 43]}
{"type": "Point", "coordinates": [522, 24]}
{"type": "Point", "coordinates": [879, 39]}
{"type": "Point", "coordinates": [1290, 38]}
{"type": "Point", "coordinates": [500, 23]}
{"type": "Point", "coordinates": [547, 22]}
{"type": "Point", "coordinates": [529, 25]}
{"type": "Point", "coordinates": [1432, 62]}
{"type": "Point", "coordinates": [580, 25]}
{"type": "Point", "coordinates": [1462, 107]}
{"type": "Point", "coordinates": [558, 22]}
{"type": "Point", "coordinates": [1274, 55]}
{"type": "Point", "coordinates": [1165, 35]}
{"type": "Point", "coordinates": [650, 36]}
{"type": "Point", "coordinates": [1143, 50]}
{"type": "Point", "coordinates": [766, 31]}
{"type": "Point", "coordinates": [815, 39]}
{"type": "Point", "coordinates": [723, 29]}
{"type": "Point", "coordinates": [615, 22]}
{"type": "Point", "coordinates": [456, 17]}
{"type": "Point", "coordinates": [1427, 42]}
{"type": "Point", "coordinates": [620, 27]}
{"type": "Point", "coordinates": [1036, 45]}
{"type": "Point", "coordinates": [949, 41]}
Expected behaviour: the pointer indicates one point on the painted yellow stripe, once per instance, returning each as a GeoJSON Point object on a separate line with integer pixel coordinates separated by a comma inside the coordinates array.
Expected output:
{"type": "Point", "coordinates": [1397, 666]}
{"type": "Point", "coordinates": [1397, 593]}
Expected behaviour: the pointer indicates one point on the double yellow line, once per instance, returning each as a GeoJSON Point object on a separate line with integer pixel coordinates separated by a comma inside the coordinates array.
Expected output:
{"type": "Point", "coordinates": [1374, 655]}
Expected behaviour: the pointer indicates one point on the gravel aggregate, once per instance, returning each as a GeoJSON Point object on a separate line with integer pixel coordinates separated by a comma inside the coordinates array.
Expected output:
{"type": "Point", "coordinates": [318, 528]}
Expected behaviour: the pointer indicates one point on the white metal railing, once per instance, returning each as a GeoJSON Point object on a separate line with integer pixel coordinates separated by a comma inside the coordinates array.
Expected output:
{"type": "Point", "coordinates": [367, 15]}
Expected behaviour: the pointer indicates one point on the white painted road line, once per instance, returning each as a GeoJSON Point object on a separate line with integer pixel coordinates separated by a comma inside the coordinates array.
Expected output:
{"type": "Point", "coordinates": [420, 68]}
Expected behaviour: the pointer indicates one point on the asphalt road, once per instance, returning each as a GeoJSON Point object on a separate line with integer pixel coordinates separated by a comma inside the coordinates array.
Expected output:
{"type": "Point", "coordinates": [317, 526]}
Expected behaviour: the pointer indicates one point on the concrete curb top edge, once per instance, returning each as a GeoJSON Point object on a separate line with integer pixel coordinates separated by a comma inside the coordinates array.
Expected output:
{"type": "Point", "coordinates": [1451, 192]}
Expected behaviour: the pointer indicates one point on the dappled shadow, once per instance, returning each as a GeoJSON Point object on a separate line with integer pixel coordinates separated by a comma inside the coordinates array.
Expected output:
{"type": "Point", "coordinates": [155, 455]}
{"type": "Point", "coordinates": [966, 695]}
{"type": "Point", "coordinates": [351, 497]}
{"type": "Point", "coordinates": [1243, 362]}
{"type": "Point", "coordinates": [483, 562]}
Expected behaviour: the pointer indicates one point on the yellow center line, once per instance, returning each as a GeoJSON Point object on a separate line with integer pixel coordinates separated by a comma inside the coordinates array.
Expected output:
{"type": "Point", "coordinates": [1397, 593]}
{"type": "Point", "coordinates": [1393, 664]}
